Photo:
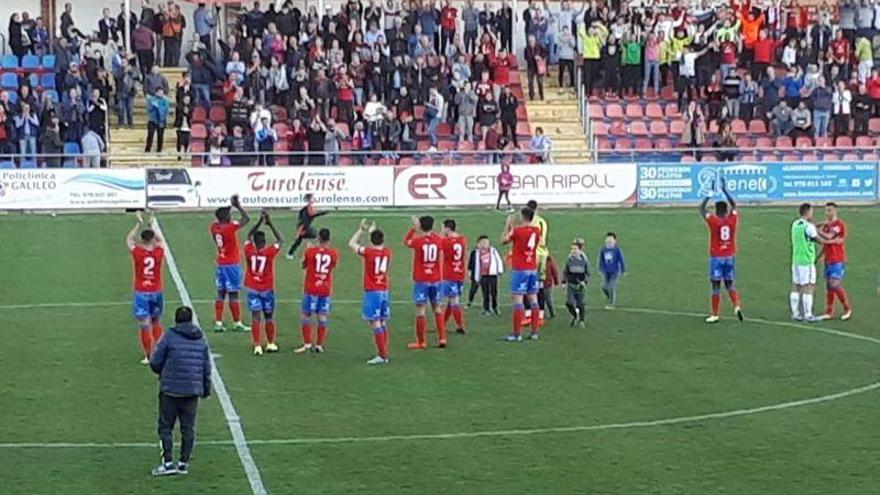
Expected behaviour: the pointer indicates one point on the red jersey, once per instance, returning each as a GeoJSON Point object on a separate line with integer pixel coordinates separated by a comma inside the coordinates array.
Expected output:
{"type": "Point", "coordinates": [226, 238]}
{"type": "Point", "coordinates": [319, 263]}
{"type": "Point", "coordinates": [377, 262]}
{"type": "Point", "coordinates": [525, 242]}
{"type": "Point", "coordinates": [454, 251]}
{"type": "Point", "coordinates": [260, 274]}
{"type": "Point", "coordinates": [147, 264]}
{"type": "Point", "coordinates": [426, 256]}
{"type": "Point", "coordinates": [834, 253]}
{"type": "Point", "coordinates": [447, 18]}
{"type": "Point", "coordinates": [722, 234]}
{"type": "Point", "coordinates": [728, 52]}
{"type": "Point", "coordinates": [840, 49]}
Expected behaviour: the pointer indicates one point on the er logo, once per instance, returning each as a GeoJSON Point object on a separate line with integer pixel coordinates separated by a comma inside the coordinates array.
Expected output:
{"type": "Point", "coordinates": [427, 186]}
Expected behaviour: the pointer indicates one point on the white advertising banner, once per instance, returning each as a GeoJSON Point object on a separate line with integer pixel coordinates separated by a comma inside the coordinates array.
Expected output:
{"type": "Point", "coordinates": [547, 184]}
{"type": "Point", "coordinates": [270, 187]}
{"type": "Point", "coordinates": [59, 189]}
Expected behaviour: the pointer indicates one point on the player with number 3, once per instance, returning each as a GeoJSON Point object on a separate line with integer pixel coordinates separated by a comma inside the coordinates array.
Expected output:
{"type": "Point", "coordinates": [318, 262]}
{"type": "Point", "coordinates": [722, 251]}
{"type": "Point", "coordinates": [147, 255]}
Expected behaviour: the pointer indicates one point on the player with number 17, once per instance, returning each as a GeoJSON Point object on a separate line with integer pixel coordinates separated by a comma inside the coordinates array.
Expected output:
{"type": "Point", "coordinates": [722, 251]}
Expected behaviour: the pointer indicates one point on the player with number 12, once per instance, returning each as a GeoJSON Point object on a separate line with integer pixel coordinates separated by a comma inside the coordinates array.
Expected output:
{"type": "Point", "coordinates": [318, 262]}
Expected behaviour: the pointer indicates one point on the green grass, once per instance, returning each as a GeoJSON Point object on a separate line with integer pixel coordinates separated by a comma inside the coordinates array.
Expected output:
{"type": "Point", "coordinates": [70, 373]}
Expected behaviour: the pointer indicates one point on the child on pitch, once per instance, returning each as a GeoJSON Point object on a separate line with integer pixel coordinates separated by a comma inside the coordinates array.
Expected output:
{"type": "Point", "coordinates": [576, 274]}
{"type": "Point", "coordinates": [612, 266]}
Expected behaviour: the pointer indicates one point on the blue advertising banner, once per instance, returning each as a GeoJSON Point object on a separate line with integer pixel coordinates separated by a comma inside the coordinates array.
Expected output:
{"type": "Point", "coordinates": [758, 182]}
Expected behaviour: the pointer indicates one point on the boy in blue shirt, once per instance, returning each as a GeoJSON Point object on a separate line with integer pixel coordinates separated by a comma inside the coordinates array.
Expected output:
{"type": "Point", "coordinates": [611, 265]}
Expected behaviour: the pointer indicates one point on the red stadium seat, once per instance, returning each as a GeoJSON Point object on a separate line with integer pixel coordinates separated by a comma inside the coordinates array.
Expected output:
{"type": "Point", "coordinates": [604, 144]}
{"type": "Point", "coordinates": [282, 146]}
{"type": "Point", "coordinates": [676, 127]}
{"type": "Point", "coordinates": [709, 159]}
{"type": "Point", "coordinates": [744, 142]}
{"type": "Point", "coordinates": [217, 114]}
{"type": "Point", "coordinates": [634, 111]}
{"type": "Point", "coordinates": [851, 157]}
{"type": "Point", "coordinates": [823, 142]}
{"type": "Point", "coordinates": [199, 114]}
{"type": "Point", "coordinates": [198, 131]}
{"type": "Point", "coordinates": [783, 142]}
{"type": "Point", "coordinates": [713, 127]}
{"type": "Point", "coordinates": [659, 128]}
{"type": "Point", "coordinates": [643, 144]}
{"type": "Point", "coordinates": [688, 158]}
{"type": "Point", "coordinates": [791, 157]}
{"type": "Point", "coordinates": [623, 144]}
{"type": "Point", "coordinates": [523, 129]}
{"type": "Point", "coordinates": [764, 142]}
{"type": "Point", "coordinates": [281, 129]}
{"type": "Point", "coordinates": [618, 129]}
{"type": "Point", "coordinates": [600, 129]}
{"type": "Point", "coordinates": [803, 142]}
{"type": "Point", "coordinates": [667, 93]}
{"type": "Point", "coordinates": [638, 128]}
{"type": "Point", "coordinates": [864, 142]}
{"type": "Point", "coordinates": [663, 144]}
{"type": "Point", "coordinates": [830, 157]}
{"type": "Point", "coordinates": [419, 112]}
{"type": "Point", "coordinates": [613, 111]}
{"type": "Point", "coordinates": [597, 112]}
{"type": "Point", "coordinates": [738, 126]}
{"type": "Point", "coordinates": [654, 111]}
{"type": "Point", "coordinates": [672, 111]}
{"type": "Point", "coordinates": [757, 127]}
{"type": "Point", "coordinates": [874, 126]}
{"type": "Point", "coordinates": [843, 142]}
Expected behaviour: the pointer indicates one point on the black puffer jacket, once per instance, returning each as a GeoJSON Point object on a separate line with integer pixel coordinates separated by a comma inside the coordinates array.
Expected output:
{"type": "Point", "coordinates": [182, 360]}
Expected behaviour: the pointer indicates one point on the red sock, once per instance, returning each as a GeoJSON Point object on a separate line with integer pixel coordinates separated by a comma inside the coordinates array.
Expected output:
{"type": "Point", "coordinates": [146, 342]}
{"type": "Point", "coordinates": [829, 300]}
{"type": "Point", "coordinates": [447, 313]}
{"type": "Point", "coordinates": [440, 320]}
{"type": "Point", "coordinates": [381, 340]}
{"type": "Point", "coordinates": [733, 294]}
{"type": "Point", "coordinates": [270, 331]}
{"type": "Point", "coordinates": [518, 314]}
{"type": "Point", "coordinates": [322, 332]}
{"type": "Point", "coordinates": [458, 315]}
{"type": "Point", "coordinates": [386, 334]}
{"type": "Point", "coordinates": [256, 338]}
{"type": "Point", "coordinates": [716, 304]}
{"type": "Point", "coordinates": [844, 298]}
{"type": "Point", "coordinates": [235, 308]}
{"type": "Point", "coordinates": [421, 329]}
{"type": "Point", "coordinates": [157, 331]}
{"type": "Point", "coordinates": [218, 310]}
{"type": "Point", "coordinates": [536, 319]}
{"type": "Point", "coordinates": [307, 333]}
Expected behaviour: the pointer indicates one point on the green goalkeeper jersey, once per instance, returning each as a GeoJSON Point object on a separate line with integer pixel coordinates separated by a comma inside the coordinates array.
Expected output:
{"type": "Point", "coordinates": [803, 245]}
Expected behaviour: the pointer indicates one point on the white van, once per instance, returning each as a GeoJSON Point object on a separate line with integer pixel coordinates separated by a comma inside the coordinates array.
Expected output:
{"type": "Point", "coordinates": [170, 187]}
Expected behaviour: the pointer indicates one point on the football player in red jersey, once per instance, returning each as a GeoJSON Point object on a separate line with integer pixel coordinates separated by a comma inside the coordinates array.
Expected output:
{"type": "Point", "coordinates": [376, 309]}
{"type": "Point", "coordinates": [426, 276]}
{"type": "Point", "coordinates": [834, 229]}
{"type": "Point", "coordinates": [260, 282]}
{"type": "Point", "coordinates": [147, 255]}
{"type": "Point", "coordinates": [228, 274]}
{"type": "Point", "coordinates": [454, 247]}
{"type": "Point", "coordinates": [525, 237]}
{"type": "Point", "coordinates": [318, 262]}
{"type": "Point", "coordinates": [722, 251]}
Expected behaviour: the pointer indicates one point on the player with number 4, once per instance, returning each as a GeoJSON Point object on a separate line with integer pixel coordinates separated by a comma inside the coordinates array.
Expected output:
{"type": "Point", "coordinates": [147, 255]}
{"type": "Point", "coordinates": [318, 262]}
{"type": "Point", "coordinates": [722, 251]}
{"type": "Point", "coordinates": [524, 235]}
{"type": "Point", "coordinates": [260, 282]}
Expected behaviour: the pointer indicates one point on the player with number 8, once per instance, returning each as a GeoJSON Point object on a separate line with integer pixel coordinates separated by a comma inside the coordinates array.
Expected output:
{"type": "Point", "coordinates": [147, 255]}
{"type": "Point", "coordinates": [318, 262]}
{"type": "Point", "coordinates": [722, 251]}
{"type": "Point", "coordinates": [224, 232]}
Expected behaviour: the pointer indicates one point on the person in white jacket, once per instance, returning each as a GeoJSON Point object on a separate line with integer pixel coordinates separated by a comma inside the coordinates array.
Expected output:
{"type": "Point", "coordinates": [485, 265]}
{"type": "Point", "coordinates": [92, 148]}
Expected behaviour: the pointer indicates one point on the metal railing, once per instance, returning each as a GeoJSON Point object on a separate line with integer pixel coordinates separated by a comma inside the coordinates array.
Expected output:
{"type": "Point", "coordinates": [738, 154]}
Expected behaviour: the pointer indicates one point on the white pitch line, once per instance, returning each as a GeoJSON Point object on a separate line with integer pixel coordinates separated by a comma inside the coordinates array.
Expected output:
{"type": "Point", "coordinates": [487, 433]}
{"type": "Point", "coordinates": [232, 418]}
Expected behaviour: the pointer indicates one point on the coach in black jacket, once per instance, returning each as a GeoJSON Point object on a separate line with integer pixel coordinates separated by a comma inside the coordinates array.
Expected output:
{"type": "Point", "coordinates": [182, 360]}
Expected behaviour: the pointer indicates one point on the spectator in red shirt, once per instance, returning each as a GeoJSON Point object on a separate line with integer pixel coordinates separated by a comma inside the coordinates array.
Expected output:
{"type": "Point", "coordinates": [839, 53]}
{"type": "Point", "coordinates": [505, 182]}
{"type": "Point", "coordinates": [874, 90]}
{"type": "Point", "coordinates": [448, 16]}
{"type": "Point", "coordinates": [764, 50]}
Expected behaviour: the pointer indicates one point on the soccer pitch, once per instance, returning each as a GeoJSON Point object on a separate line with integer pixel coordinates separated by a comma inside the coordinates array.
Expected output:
{"type": "Point", "coordinates": [648, 399]}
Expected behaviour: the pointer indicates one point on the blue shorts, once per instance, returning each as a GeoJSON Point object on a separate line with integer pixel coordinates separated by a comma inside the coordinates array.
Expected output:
{"type": "Point", "coordinates": [319, 305]}
{"type": "Point", "coordinates": [524, 282]}
{"type": "Point", "coordinates": [228, 278]}
{"type": "Point", "coordinates": [450, 288]}
{"type": "Point", "coordinates": [377, 305]}
{"type": "Point", "coordinates": [259, 300]}
{"type": "Point", "coordinates": [425, 292]}
{"type": "Point", "coordinates": [723, 268]}
{"type": "Point", "coordinates": [835, 271]}
{"type": "Point", "coordinates": [147, 305]}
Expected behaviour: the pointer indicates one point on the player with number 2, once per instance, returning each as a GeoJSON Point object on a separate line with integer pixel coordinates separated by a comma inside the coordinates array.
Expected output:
{"type": "Point", "coordinates": [722, 251]}
{"type": "Point", "coordinates": [147, 255]}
